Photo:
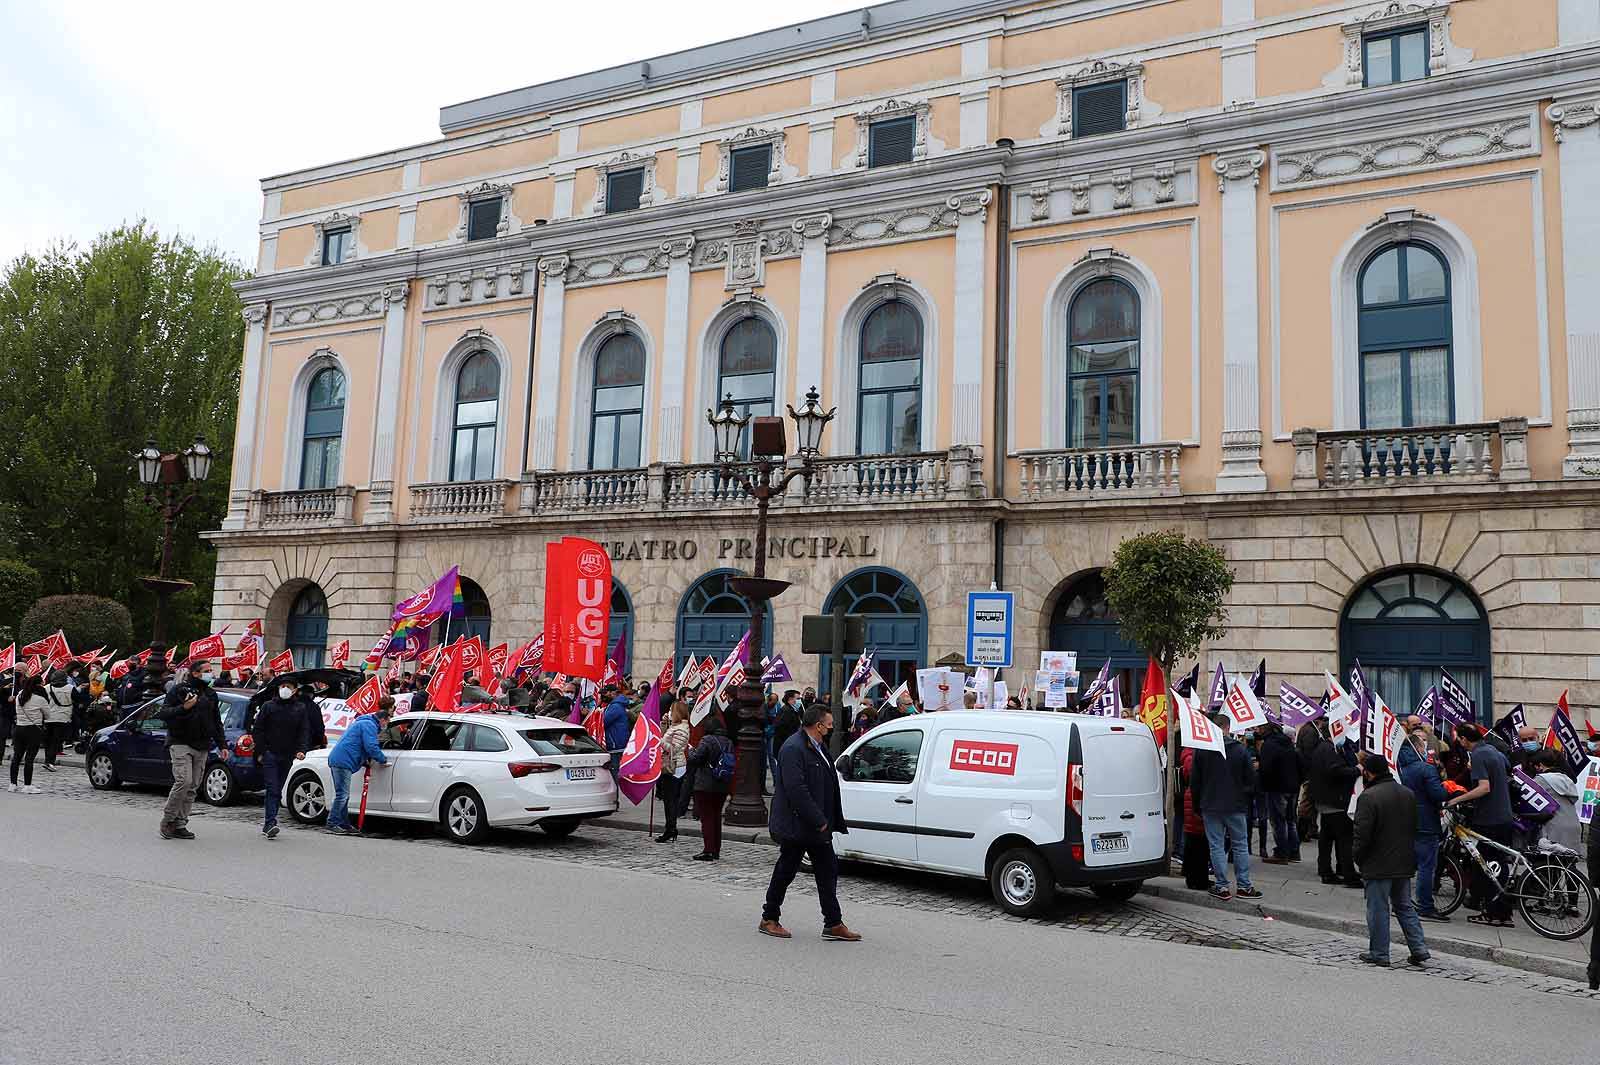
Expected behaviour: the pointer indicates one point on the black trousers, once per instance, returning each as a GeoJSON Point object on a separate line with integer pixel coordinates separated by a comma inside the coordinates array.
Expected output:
{"type": "Point", "coordinates": [1337, 835]}
{"type": "Point", "coordinates": [824, 865]}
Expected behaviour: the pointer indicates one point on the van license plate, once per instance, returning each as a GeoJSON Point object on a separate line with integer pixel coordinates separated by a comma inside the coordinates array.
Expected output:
{"type": "Point", "coordinates": [584, 774]}
{"type": "Point", "coordinates": [1108, 843]}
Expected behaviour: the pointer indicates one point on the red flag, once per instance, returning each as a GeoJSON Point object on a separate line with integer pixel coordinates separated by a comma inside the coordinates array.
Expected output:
{"type": "Point", "coordinates": [8, 658]}
{"type": "Point", "coordinates": [210, 647]}
{"type": "Point", "coordinates": [283, 662]}
{"type": "Point", "coordinates": [577, 614]}
{"type": "Point", "coordinates": [496, 657]}
{"type": "Point", "coordinates": [444, 690]}
{"type": "Point", "coordinates": [364, 700]}
{"type": "Point", "coordinates": [339, 655]}
{"type": "Point", "coordinates": [594, 725]}
{"type": "Point", "coordinates": [1153, 702]}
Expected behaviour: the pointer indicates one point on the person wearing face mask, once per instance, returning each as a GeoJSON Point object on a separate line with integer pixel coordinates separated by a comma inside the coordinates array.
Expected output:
{"type": "Point", "coordinates": [281, 738]}
{"type": "Point", "coordinates": [1420, 775]}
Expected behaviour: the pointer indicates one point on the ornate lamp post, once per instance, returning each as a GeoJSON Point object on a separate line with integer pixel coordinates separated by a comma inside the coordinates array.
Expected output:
{"type": "Point", "coordinates": [767, 447]}
{"type": "Point", "coordinates": [170, 472]}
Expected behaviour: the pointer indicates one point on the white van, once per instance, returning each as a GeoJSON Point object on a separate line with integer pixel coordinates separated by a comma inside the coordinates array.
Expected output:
{"type": "Point", "coordinates": [1027, 800]}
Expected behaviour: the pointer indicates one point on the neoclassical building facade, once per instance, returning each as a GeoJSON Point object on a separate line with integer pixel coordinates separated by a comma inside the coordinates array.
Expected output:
{"type": "Point", "coordinates": [1318, 281]}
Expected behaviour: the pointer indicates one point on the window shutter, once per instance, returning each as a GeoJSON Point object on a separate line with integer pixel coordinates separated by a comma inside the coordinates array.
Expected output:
{"type": "Point", "coordinates": [1099, 108]}
{"type": "Point", "coordinates": [748, 168]}
{"type": "Point", "coordinates": [483, 219]}
{"type": "Point", "coordinates": [624, 190]}
{"type": "Point", "coordinates": [891, 141]}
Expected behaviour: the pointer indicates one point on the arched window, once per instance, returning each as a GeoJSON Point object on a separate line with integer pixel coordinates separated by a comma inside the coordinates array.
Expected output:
{"type": "Point", "coordinates": [746, 371]}
{"type": "Point", "coordinates": [1103, 365]}
{"type": "Point", "coordinates": [308, 626]}
{"type": "Point", "coordinates": [889, 418]}
{"type": "Point", "coordinates": [897, 623]}
{"type": "Point", "coordinates": [1407, 626]}
{"type": "Point", "coordinates": [713, 617]}
{"type": "Point", "coordinates": [477, 416]}
{"type": "Point", "coordinates": [324, 430]}
{"type": "Point", "coordinates": [1083, 621]}
{"type": "Point", "coordinates": [475, 619]}
{"type": "Point", "coordinates": [615, 436]}
{"type": "Point", "coordinates": [1403, 322]}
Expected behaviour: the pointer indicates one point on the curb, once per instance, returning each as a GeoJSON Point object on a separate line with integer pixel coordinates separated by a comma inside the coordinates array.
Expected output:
{"type": "Point", "coordinates": [1527, 961]}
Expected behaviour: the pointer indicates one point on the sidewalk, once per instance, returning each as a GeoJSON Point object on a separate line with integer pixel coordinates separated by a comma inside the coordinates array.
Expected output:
{"type": "Point", "coordinates": [1293, 893]}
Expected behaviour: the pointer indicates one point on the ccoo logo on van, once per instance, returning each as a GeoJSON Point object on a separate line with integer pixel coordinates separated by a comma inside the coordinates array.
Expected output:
{"type": "Point", "coordinates": [979, 756]}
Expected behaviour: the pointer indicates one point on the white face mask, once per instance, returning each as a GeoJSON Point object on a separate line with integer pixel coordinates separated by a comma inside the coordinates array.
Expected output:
{"type": "Point", "coordinates": [286, 693]}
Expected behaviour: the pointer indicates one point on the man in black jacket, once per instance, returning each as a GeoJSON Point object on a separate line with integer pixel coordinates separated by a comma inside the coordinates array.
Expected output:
{"type": "Point", "coordinates": [1385, 837]}
{"type": "Point", "coordinates": [281, 735]}
{"type": "Point", "coordinates": [1223, 783]}
{"type": "Point", "coordinates": [806, 812]}
{"type": "Point", "coordinates": [193, 728]}
{"type": "Point", "coordinates": [1280, 787]}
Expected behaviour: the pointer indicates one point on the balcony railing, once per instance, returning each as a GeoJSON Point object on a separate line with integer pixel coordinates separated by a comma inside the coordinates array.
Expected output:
{"type": "Point", "coordinates": [459, 500]}
{"type": "Point", "coordinates": [303, 509]}
{"type": "Point", "coordinates": [1101, 473]}
{"type": "Point", "coordinates": [1431, 454]}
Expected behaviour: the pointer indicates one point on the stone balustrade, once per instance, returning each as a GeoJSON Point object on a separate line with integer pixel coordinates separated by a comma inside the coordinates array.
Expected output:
{"type": "Point", "coordinates": [1100, 473]}
{"type": "Point", "coordinates": [307, 508]}
{"type": "Point", "coordinates": [1420, 455]}
{"type": "Point", "coordinates": [458, 500]}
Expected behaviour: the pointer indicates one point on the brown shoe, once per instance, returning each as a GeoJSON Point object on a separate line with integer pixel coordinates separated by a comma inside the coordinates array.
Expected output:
{"type": "Point", "coordinates": [842, 934]}
{"type": "Point", "coordinates": [773, 929]}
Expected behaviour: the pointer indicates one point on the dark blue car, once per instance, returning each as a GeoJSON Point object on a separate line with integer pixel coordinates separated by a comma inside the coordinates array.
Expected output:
{"type": "Point", "coordinates": [134, 751]}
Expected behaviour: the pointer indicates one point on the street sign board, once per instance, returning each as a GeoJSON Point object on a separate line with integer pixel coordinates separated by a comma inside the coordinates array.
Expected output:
{"type": "Point", "coordinates": [990, 618]}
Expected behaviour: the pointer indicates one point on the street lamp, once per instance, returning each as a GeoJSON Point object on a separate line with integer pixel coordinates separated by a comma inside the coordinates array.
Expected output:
{"type": "Point", "coordinates": [170, 472]}
{"type": "Point", "coordinates": [767, 448]}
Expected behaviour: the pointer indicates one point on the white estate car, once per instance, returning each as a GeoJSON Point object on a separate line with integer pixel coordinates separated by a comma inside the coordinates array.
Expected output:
{"type": "Point", "coordinates": [471, 772]}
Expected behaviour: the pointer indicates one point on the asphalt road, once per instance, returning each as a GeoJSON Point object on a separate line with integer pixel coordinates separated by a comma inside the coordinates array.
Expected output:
{"type": "Point", "coordinates": [121, 947]}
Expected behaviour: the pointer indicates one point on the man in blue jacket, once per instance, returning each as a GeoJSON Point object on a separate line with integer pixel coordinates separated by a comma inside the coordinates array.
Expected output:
{"type": "Point", "coordinates": [1422, 777]}
{"type": "Point", "coordinates": [617, 727]}
{"type": "Point", "coordinates": [357, 747]}
{"type": "Point", "coordinates": [806, 812]}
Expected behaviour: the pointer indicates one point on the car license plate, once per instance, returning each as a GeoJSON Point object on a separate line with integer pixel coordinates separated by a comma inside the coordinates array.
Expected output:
{"type": "Point", "coordinates": [581, 774]}
{"type": "Point", "coordinates": [1108, 843]}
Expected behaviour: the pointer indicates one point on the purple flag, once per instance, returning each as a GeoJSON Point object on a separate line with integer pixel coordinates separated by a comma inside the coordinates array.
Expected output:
{"type": "Point", "coordinates": [1295, 708]}
{"type": "Point", "coordinates": [1219, 688]}
{"type": "Point", "coordinates": [1428, 708]}
{"type": "Point", "coordinates": [1454, 703]}
{"type": "Point", "coordinates": [1508, 727]}
{"type": "Point", "coordinates": [776, 671]}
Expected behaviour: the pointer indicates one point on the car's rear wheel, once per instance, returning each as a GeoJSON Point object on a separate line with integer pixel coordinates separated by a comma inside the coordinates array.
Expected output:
{"type": "Point", "coordinates": [1022, 882]}
{"type": "Point", "coordinates": [102, 769]}
{"type": "Point", "coordinates": [1119, 892]}
{"type": "Point", "coordinates": [219, 787]}
{"type": "Point", "coordinates": [463, 816]}
{"type": "Point", "coordinates": [308, 799]}
{"type": "Point", "coordinates": [559, 827]}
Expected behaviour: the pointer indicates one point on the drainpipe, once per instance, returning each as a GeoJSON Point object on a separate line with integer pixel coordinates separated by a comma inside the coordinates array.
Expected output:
{"type": "Point", "coordinates": [1002, 370]}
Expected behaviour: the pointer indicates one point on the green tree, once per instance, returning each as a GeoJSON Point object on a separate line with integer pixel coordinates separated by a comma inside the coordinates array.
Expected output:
{"type": "Point", "coordinates": [136, 338]}
{"type": "Point", "coordinates": [88, 622]}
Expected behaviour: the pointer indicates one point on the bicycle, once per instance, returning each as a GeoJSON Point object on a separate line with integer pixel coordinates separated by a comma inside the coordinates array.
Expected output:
{"type": "Point", "coordinates": [1552, 895]}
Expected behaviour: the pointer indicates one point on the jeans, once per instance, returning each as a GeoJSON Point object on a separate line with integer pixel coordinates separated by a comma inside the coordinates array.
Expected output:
{"type": "Point", "coordinates": [1234, 829]}
{"type": "Point", "coordinates": [339, 808]}
{"type": "Point", "coordinates": [824, 865]}
{"type": "Point", "coordinates": [1285, 832]}
{"type": "Point", "coordinates": [1337, 836]}
{"type": "Point", "coordinates": [1395, 894]}
{"type": "Point", "coordinates": [273, 770]}
{"type": "Point", "coordinates": [188, 770]}
{"type": "Point", "coordinates": [1426, 849]}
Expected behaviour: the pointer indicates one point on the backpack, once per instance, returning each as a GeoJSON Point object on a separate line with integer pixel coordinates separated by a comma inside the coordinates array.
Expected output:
{"type": "Point", "coordinates": [722, 768]}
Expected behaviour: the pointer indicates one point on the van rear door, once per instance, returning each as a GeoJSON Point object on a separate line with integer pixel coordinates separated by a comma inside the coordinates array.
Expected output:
{"type": "Point", "coordinates": [1122, 819]}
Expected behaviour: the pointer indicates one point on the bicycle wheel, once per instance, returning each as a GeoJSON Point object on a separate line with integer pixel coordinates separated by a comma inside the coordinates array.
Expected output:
{"type": "Point", "coordinates": [1450, 885]}
{"type": "Point", "coordinates": [1555, 900]}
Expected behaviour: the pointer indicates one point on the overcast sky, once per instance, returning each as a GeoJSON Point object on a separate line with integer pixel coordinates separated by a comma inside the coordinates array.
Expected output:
{"type": "Point", "coordinates": [174, 111]}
